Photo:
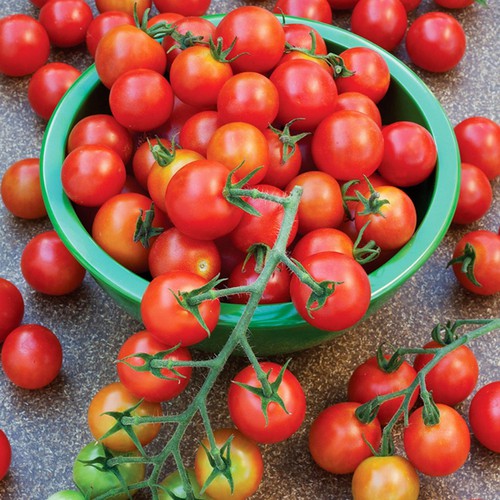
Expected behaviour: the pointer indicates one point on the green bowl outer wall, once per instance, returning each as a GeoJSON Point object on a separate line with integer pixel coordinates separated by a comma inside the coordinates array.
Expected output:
{"type": "Point", "coordinates": [276, 328]}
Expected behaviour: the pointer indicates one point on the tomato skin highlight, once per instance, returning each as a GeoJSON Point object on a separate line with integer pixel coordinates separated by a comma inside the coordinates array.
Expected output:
{"type": "Point", "coordinates": [437, 450]}
{"type": "Point", "coordinates": [31, 356]}
{"type": "Point", "coordinates": [336, 438]}
{"type": "Point", "coordinates": [484, 416]}
{"type": "Point", "coordinates": [245, 408]}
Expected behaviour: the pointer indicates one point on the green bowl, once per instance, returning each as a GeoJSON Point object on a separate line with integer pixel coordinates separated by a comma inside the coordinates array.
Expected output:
{"type": "Point", "coordinates": [274, 328]}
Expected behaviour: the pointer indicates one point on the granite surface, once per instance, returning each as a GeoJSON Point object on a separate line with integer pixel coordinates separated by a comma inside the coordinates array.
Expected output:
{"type": "Point", "coordinates": [48, 427]}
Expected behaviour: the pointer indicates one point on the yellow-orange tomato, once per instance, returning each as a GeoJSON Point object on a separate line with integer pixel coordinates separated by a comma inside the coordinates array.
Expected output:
{"type": "Point", "coordinates": [115, 397]}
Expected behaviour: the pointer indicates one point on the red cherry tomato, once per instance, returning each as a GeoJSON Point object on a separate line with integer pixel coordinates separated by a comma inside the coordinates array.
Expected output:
{"type": "Point", "coordinates": [5, 454]}
{"type": "Point", "coordinates": [245, 407]}
{"type": "Point", "coordinates": [21, 190]}
{"type": "Point", "coordinates": [146, 384]}
{"type": "Point", "coordinates": [454, 377]}
{"type": "Point", "coordinates": [197, 130]}
{"type": "Point", "coordinates": [356, 101]}
{"type": "Point", "coordinates": [128, 6]}
{"type": "Point", "coordinates": [484, 416]}
{"type": "Point", "coordinates": [48, 266]}
{"type": "Point", "coordinates": [478, 140]}
{"type": "Point", "coordinates": [66, 21]}
{"type": "Point", "coordinates": [191, 8]}
{"type": "Point", "coordinates": [12, 311]}
{"type": "Point", "coordinates": [31, 356]}
{"type": "Point", "coordinates": [24, 45]}
{"type": "Point", "coordinates": [48, 84]}
{"type": "Point", "coordinates": [368, 380]}
{"type": "Point", "coordinates": [337, 438]}
{"type": "Point", "coordinates": [318, 10]}
{"type": "Point", "coordinates": [350, 299]}
{"type": "Point", "coordinates": [475, 197]}
{"type": "Point", "coordinates": [437, 450]}
{"type": "Point", "coordinates": [380, 21]}
{"type": "Point", "coordinates": [436, 42]}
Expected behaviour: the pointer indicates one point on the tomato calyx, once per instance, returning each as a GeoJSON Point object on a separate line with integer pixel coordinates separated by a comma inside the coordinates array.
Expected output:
{"type": "Point", "coordinates": [268, 392]}
{"type": "Point", "coordinates": [157, 31]}
{"type": "Point", "coordinates": [220, 461]}
{"type": "Point", "coordinates": [156, 363]}
{"type": "Point", "coordinates": [144, 229]}
{"type": "Point", "coordinates": [333, 60]}
{"type": "Point", "coordinates": [467, 260]}
{"type": "Point", "coordinates": [288, 140]}
{"type": "Point", "coordinates": [371, 204]}
{"type": "Point", "coordinates": [218, 52]}
{"type": "Point", "coordinates": [162, 154]}
{"type": "Point", "coordinates": [101, 463]}
{"type": "Point", "coordinates": [184, 40]}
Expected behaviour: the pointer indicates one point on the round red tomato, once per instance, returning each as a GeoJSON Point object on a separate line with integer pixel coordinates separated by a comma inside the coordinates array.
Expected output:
{"type": "Point", "coordinates": [48, 266]}
{"type": "Point", "coordinates": [258, 36]}
{"type": "Point", "coordinates": [182, 327]}
{"type": "Point", "coordinates": [115, 397]}
{"type": "Point", "coordinates": [348, 145]}
{"type": "Point", "coordinates": [369, 380]}
{"type": "Point", "coordinates": [21, 190]}
{"type": "Point", "coordinates": [135, 106]}
{"type": "Point", "coordinates": [198, 74]}
{"type": "Point", "coordinates": [318, 10]}
{"type": "Point", "coordinates": [244, 273]}
{"type": "Point", "coordinates": [31, 356]}
{"type": "Point", "coordinates": [245, 407]}
{"type": "Point", "coordinates": [475, 197]}
{"type": "Point", "coordinates": [66, 21]}
{"type": "Point", "coordinates": [380, 21]}
{"type": "Point", "coordinates": [454, 377]}
{"type": "Point", "coordinates": [101, 24]}
{"type": "Point", "coordinates": [476, 262]}
{"type": "Point", "coordinates": [356, 101]}
{"type": "Point", "coordinates": [307, 93]}
{"type": "Point", "coordinates": [371, 73]}
{"type": "Point", "coordinates": [484, 416]}
{"type": "Point", "coordinates": [24, 45]}
{"type": "Point", "coordinates": [436, 42]}
{"type": "Point", "coordinates": [197, 208]}
{"type": "Point", "coordinates": [92, 174]}
{"type": "Point", "coordinates": [12, 311]}
{"type": "Point", "coordinates": [115, 224]}
{"type": "Point", "coordinates": [248, 97]}
{"type": "Point", "coordinates": [5, 454]}
{"type": "Point", "coordinates": [240, 144]}
{"type": "Point", "coordinates": [197, 130]}
{"type": "Point", "coordinates": [410, 154]}
{"type": "Point", "coordinates": [48, 84]}
{"type": "Point", "coordinates": [301, 35]}
{"type": "Point", "coordinates": [350, 299]}
{"type": "Point", "coordinates": [337, 439]}
{"type": "Point", "coordinates": [124, 48]}
{"type": "Point", "coordinates": [244, 460]}
{"type": "Point", "coordinates": [321, 201]}
{"type": "Point", "coordinates": [191, 8]}
{"type": "Point", "coordinates": [437, 450]}
{"type": "Point", "coordinates": [478, 140]}
{"type": "Point", "coordinates": [146, 384]}
{"type": "Point", "coordinates": [392, 224]}
{"type": "Point", "coordinates": [385, 477]}
{"type": "Point", "coordinates": [174, 251]}
{"type": "Point", "coordinates": [102, 130]}
{"type": "Point", "coordinates": [454, 4]}
{"type": "Point", "coordinates": [265, 228]}
{"type": "Point", "coordinates": [325, 239]}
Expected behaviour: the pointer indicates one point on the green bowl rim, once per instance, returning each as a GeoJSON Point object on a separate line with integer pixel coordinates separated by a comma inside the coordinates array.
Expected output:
{"type": "Point", "coordinates": [384, 280]}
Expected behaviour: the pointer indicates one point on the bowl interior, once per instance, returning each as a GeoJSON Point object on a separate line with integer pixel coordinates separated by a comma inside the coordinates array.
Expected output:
{"type": "Point", "coordinates": [275, 328]}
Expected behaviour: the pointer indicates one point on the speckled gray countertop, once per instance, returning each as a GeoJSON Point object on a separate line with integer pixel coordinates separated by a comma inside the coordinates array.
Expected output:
{"type": "Point", "coordinates": [48, 427]}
